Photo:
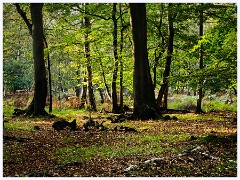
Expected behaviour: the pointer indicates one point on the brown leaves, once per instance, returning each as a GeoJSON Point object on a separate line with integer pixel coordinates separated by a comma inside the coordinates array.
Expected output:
{"type": "Point", "coordinates": [109, 152]}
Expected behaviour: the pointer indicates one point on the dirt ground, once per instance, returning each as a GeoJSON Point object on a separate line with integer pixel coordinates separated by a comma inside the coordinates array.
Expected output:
{"type": "Point", "coordinates": [33, 153]}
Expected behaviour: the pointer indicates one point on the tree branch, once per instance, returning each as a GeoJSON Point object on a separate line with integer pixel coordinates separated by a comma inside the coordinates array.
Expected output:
{"type": "Point", "coordinates": [24, 16]}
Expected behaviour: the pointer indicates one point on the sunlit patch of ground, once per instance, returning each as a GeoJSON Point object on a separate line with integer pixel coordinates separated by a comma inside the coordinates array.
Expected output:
{"type": "Point", "coordinates": [46, 152]}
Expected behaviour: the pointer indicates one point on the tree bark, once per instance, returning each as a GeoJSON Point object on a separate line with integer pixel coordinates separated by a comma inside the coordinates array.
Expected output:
{"type": "Point", "coordinates": [36, 28]}
{"type": "Point", "coordinates": [84, 93]}
{"type": "Point", "coordinates": [78, 74]}
{"type": "Point", "coordinates": [92, 104]}
{"type": "Point", "coordinates": [104, 80]}
{"type": "Point", "coordinates": [144, 99]}
{"type": "Point", "coordinates": [49, 76]}
{"type": "Point", "coordinates": [200, 83]}
{"type": "Point", "coordinates": [40, 90]}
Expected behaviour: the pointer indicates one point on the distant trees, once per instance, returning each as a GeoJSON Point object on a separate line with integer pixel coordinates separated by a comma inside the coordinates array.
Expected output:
{"type": "Point", "coordinates": [92, 50]}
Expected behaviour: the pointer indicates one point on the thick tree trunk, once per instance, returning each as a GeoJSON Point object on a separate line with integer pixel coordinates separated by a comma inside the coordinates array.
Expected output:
{"type": "Point", "coordinates": [144, 100]}
{"type": "Point", "coordinates": [164, 87]}
{"type": "Point", "coordinates": [115, 107]}
{"type": "Point", "coordinates": [92, 105]}
{"type": "Point", "coordinates": [200, 83]}
{"type": "Point", "coordinates": [40, 90]}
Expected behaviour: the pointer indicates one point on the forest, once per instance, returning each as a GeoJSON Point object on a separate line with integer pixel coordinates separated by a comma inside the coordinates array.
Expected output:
{"type": "Point", "coordinates": [119, 90]}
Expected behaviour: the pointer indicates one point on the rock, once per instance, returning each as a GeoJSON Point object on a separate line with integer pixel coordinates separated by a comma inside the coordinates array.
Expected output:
{"type": "Point", "coordinates": [174, 118]}
{"type": "Point", "coordinates": [192, 138]}
{"type": "Point", "coordinates": [73, 125]}
{"type": "Point", "coordinates": [36, 128]}
{"type": "Point", "coordinates": [167, 117]}
{"type": "Point", "coordinates": [18, 112]}
{"type": "Point", "coordinates": [60, 125]}
{"type": "Point", "coordinates": [131, 168]}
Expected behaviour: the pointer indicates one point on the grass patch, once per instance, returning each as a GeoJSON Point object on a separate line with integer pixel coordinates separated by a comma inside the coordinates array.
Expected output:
{"type": "Point", "coordinates": [8, 110]}
{"type": "Point", "coordinates": [19, 125]}
{"type": "Point", "coordinates": [218, 106]}
{"type": "Point", "coordinates": [199, 117]}
{"type": "Point", "coordinates": [184, 102]}
{"type": "Point", "coordinates": [134, 145]}
{"type": "Point", "coordinates": [79, 153]}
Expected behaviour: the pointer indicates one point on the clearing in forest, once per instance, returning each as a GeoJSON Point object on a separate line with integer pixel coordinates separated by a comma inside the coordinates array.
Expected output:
{"type": "Point", "coordinates": [190, 145]}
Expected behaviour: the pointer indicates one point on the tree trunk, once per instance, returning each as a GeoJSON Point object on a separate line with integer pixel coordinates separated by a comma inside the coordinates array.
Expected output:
{"type": "Point", "coordinates": [101, 95]}
{"type": "Point", "coordinates": [104, 80]}
{"type": "Point", "coordinates": [144, 100]}
{"type": "Point", "coordinates": [120, 61]}
{"type": "Point", "coordinates": [200, 83]}
{"type": "Point", "coordinates": [78, 88]}
{"type": "Point", "coordinates": [115, 107]}
{"type": "Point", "coordinates": [92, 105]}
{"type": "Point", "coordinates": [40, 90]}
{"type": "Point", "coordinates": [49, 76]}
{"type": "Point", "coordinates": [84, 93]}
{"type": "Point", "coordinates": [160, 49]}
{"type": "Point", "coordinates": [164, 87]}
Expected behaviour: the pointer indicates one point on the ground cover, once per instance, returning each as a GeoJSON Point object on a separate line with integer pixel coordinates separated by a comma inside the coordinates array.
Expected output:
{"type": "Point", "coordinates": [31, 151]}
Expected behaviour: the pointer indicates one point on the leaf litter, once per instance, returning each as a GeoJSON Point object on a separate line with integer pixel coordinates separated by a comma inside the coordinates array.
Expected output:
{"type": "Point", "coordinates": [207, 148]}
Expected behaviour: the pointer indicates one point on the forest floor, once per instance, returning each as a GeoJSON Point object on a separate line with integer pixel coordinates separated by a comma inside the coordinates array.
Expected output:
{"type": "Point", "coordinates": [190, 146]}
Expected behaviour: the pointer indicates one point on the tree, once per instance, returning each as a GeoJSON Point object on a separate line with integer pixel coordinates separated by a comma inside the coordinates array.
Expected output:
{"type": "Point", "coordinates": [40, 87]}
{"type": "Point", "coordinates": [115, 107]}
{"type": "Point", "coordinates": [144, 100]}
{"type": "Point", "coordinates": [200, 83]}
{"type": "Point", "coordinates": [164, 87]}
{"type": "Point", "coordinates": [89, 66]}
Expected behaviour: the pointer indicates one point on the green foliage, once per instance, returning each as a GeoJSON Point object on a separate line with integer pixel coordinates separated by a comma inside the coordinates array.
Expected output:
{"type": "Point", "coordinates": [64, 30]}
{"type": "Point", "coordinates": [182, 102]}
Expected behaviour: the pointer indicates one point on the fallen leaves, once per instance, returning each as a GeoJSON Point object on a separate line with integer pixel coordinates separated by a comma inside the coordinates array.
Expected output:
{"type": "Point", "coordinates": [109, 153]}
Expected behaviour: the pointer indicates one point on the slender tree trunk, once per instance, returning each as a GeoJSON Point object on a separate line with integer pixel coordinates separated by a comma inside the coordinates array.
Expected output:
{"type": "Point", "coordinates": [49, 76]}
{"type": "Point", "coordinates": [144, 100]}
{"type": "Point", "coordinates": [84, 93]}
{"type": "Point", "coordinates": [40, 90]}
{"type": "Point", "coordinates": [200, 83]}
{"type": "Point", "coordinates": [92, 104]}
{"type": "Point", "coordinates": [101, 95]}
{"type": "Point", "coordinates": [164, 87]}
{"type": "Point", "coordinates": [115, 107]}
{"type": "Point", "coordinates": [78, 87]}
{"type": "Point", "coordinates": [104, 80]}
{"type": "Point", "coordinates": [160, 48]}
{"type": "Point", "coordinates": [120, 61]}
